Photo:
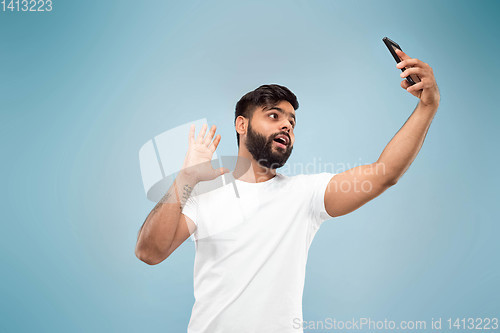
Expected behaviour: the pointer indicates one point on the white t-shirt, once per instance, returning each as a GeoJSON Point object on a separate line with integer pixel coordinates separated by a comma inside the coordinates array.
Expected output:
{"type": "Point", "coordinates": [252, 241]}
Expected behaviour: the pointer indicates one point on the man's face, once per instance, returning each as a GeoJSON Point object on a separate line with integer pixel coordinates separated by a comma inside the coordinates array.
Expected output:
{"type": "Point", "coordinates": [270, 135]}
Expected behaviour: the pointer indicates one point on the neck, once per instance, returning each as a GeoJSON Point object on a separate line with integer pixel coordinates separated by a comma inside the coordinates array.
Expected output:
{"type": "Point", "coordinates": [247, 169]}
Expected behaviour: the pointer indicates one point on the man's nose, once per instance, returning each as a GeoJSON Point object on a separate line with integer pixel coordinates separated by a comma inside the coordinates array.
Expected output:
{"type": "Point", "coordinates": [286, 126]}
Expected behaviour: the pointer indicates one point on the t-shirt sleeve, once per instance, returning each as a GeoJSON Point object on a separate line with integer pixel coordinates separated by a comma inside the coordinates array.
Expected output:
{"type": "Point", "coordinates": [190, 209]}
{"type": "Point", "coordinates": [319, 184]}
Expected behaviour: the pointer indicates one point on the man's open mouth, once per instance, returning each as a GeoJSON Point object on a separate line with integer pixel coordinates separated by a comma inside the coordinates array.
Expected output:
{"type": "Point", "coordinates": [281, 141]}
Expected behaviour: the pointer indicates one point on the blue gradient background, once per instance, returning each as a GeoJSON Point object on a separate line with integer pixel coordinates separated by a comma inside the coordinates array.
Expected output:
{"type": "Point", "coordinates": [85, 86]}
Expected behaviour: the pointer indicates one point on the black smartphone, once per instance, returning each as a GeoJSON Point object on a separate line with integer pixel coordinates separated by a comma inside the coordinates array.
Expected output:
{"type": "Point", "coordinates": [392, 45]}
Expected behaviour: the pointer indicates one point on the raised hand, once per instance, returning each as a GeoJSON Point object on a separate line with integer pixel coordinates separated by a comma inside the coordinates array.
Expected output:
{"type": "Point", "coordinates": [426, 90]}
{"type": "Point", "coordinates": [197, 163]}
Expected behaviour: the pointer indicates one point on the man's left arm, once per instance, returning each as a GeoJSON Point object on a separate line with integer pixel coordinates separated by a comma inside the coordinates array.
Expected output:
{"type": "Point", "coordinates": [349, 190]}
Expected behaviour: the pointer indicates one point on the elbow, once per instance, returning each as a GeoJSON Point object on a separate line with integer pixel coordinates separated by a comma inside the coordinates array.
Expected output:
{"type": "Point", "coordinates": [391, 182]}
{"type": "Point", "coordinates": [388, 177]}
{"type": "Point", "coordinates": [148, 261]}
{"type": "Point", "coordinates": [145, 258]}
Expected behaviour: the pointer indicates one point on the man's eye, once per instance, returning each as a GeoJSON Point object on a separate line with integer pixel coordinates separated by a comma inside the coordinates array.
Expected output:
{"type": "Point", "coordinates": [273, 114]}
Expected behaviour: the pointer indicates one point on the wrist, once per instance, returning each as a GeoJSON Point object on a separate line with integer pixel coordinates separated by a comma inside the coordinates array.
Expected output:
{"type": "Point", "coordinates": [430, 107]}
{"type": "Point", "coordinates": [184, 177]}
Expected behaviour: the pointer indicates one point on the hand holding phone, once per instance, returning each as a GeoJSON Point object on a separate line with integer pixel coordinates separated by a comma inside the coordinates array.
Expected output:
{"type": "Point", "coordinates": [392, 45]}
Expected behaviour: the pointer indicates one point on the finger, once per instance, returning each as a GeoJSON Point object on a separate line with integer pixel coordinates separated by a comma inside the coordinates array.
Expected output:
{"type": "Point", "coordinates": [405, 84]}
{"type": "Point", "coordinates": [412, 70]}
{"type": "Point", "coordinates": [210, 135]}
{"type": "Point", "coordinates": [191, 134]}
{"type": "Point", "coordinates": [215, 143]}
{"type": "Point", "coordinates": [416, 87]}
{"type": "Point", "coordinates": [201, 135]}
{"type": "Point", "coordinates": [401, 54]}
{"type": "Point", "coordinates": [408, 63]}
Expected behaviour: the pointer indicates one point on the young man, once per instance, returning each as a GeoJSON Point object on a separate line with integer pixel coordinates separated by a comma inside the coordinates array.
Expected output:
{"type": "Point", "coordinates": [253, 230]}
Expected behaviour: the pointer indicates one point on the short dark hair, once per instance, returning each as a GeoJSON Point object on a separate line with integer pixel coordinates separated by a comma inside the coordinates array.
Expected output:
{"type": "Point", "coordinates": [267, 95]}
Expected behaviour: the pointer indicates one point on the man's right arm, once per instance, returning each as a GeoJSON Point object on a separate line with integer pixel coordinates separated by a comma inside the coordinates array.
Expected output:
{"type": "Point", "coordinates": [166, 223]}
{"type": "Point", "coordinates": [166, 227]}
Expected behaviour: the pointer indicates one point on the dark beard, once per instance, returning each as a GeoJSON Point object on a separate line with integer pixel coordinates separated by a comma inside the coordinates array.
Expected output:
{"type": "Point", "coordinates": [262, 150]}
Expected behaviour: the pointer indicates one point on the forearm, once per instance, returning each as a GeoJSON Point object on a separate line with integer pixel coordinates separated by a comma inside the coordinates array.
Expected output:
{"type": "Point", "coordinates": [157, 232]}
{"type": "Point", "coordinates": [400, 152]}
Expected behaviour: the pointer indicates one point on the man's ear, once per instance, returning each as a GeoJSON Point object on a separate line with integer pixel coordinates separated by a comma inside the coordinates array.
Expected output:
{"type": "Point", "coordinates": [241, 125]}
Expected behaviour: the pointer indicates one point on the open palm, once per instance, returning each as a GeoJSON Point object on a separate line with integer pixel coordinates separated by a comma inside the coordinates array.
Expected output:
{"type": "Point", "coordinates": [197, 163]}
